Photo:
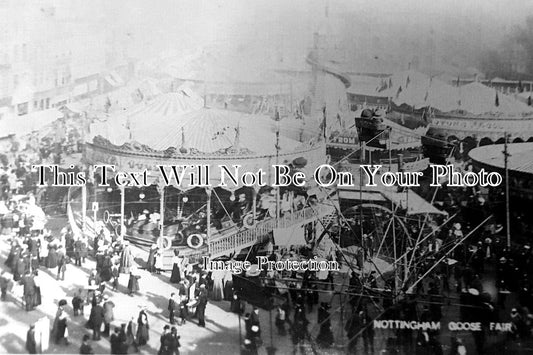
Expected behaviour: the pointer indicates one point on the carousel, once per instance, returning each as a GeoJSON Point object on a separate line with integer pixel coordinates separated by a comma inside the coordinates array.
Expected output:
{"type": "Point", "coordinates": [211, 220]}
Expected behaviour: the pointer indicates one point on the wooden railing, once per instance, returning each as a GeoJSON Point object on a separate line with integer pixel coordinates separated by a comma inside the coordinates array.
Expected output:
{"type": "Point", "coordinates": [231, 242]}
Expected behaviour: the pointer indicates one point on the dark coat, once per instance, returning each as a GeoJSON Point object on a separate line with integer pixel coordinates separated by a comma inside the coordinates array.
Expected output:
{"type": "Point", "coordinates": [31, 344]}
{"type": "Point", "coordinates": [97, 316]}
{"type": "Point", "coordinates": [29, 285]}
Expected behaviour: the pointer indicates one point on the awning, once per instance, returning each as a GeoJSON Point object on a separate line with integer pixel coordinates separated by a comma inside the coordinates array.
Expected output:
{"type": "Point", "coordinates": [34, 121]}
{"type": "Point", "coordinates": [412, 202]}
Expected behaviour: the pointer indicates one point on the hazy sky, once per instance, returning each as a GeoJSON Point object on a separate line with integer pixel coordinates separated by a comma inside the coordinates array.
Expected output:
{"type": "Point", "coordinates": [373, 27]}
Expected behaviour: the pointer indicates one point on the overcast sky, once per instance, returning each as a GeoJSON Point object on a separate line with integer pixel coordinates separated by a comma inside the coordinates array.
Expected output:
{"type": "Point", "coordinates": [364, 26]}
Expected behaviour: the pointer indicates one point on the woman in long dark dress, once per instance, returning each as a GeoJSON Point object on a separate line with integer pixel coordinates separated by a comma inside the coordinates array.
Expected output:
{"type": "Point", "coordinates": [142, 328]}
{"type": "Point", "coordinates": [106, 272]}
{"type": "Point", "coordinates": [59, 330]}
{"type": "Point", "coordinates": [175, 277]}
{"type": "Point", "coordinates": [37, 295]}
{"type": "Point", "coordinates": [17, 260]}
{"type": "Point", "coordinates": [51, 262]}
{"type": "Point", "coordinates": [150, 263]}
{"type": "Point", "coordinates": [133, 284]}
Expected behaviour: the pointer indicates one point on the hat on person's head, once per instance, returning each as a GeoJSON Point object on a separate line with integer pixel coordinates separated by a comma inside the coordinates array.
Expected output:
{"type": "Point", "coordinates": [166, 327]}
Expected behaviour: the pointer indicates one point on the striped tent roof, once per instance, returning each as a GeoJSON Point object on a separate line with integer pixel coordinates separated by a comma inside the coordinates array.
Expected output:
{"type": "Point", "coordinates": [210, 130]}
{"type": "Point", "coordinates": [180, 120]}
{"type": "Point", "coordinates": [133, 123]}
{"type": "Point", "coordinates": [519, 156]}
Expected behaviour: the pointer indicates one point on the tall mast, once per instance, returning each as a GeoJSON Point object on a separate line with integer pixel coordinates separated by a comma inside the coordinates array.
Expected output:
{"type": "Point", "coordinates": [506, 156]}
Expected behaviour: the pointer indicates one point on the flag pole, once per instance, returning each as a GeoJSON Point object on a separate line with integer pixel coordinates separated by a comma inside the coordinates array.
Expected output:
{"type": "Point", "coordinates": [506, 156]}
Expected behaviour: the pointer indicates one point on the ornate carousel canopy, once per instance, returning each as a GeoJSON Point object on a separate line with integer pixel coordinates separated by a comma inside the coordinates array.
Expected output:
{"type": "Point", "coordinates": [144, 118]}
{"type": "Point", "coordinates": [199, 137]}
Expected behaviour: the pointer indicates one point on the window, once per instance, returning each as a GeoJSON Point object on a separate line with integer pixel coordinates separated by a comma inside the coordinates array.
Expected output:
{"type": "Point", "coordinates": [22, 109]}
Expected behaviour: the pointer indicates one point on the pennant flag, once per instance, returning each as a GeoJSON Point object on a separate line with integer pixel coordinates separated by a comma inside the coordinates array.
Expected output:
{"type": "Point", "coordinates": [426, 96]}
{"type": "Point", "coordinates": [398, 92]}
{"type": "Point", "coordinates": [497, 101]}
{"type": "Point", "coordinates": [407, 81]}
{"type": "Point", "coordinates": [390, 82]}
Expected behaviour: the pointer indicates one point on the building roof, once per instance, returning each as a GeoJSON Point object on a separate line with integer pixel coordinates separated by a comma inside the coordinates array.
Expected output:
{"type": "Point", "coordinates": [25, 124]}
{"type": "Point", "coordinates": [520, 156]}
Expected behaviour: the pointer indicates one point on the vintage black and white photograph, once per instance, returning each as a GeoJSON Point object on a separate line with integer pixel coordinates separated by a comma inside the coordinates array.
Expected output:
{"type": "Point", "coordinates": [266, 177]}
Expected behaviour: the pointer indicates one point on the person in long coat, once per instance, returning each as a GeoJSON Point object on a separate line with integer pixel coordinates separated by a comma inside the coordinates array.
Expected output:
{"type": "Point", "coordinates": [133, 284]}
{"type": "Point", "coordinates": [202, 303]}
{"type": "Point", "coordinates": [78, 303]}
{"type": "Point", "coordinates": [177, 265]}
{"type": "Point", "coordinates": [31, 344]}
{"type": "Point", "coordinates": [126, 258]}
{"type": "Point", "coordinates": [150, 263]}
{"type": "Point", "coordinates": [59, 329]}
{"type": "Point", "coordinates": [131, 333]}
{"type": "Point", "coordinates": [143, 328]}
{"type": "Point", "coordinates": [95, 320]}
{"type": "Point", "coordinates": [19, 267]}
{"type": "Point", "coordinates": [173, 307]}
{"type": "Point", "coordinates": [37, 280]}
{"type": "Point", "coordinates": [29, 290]}
{"type": "Point", "coordinates": [106, 272]}
{"type": "Point", "coordinates": [51, 261]}
{"type": "Point", "coordinates": [109, 315]}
